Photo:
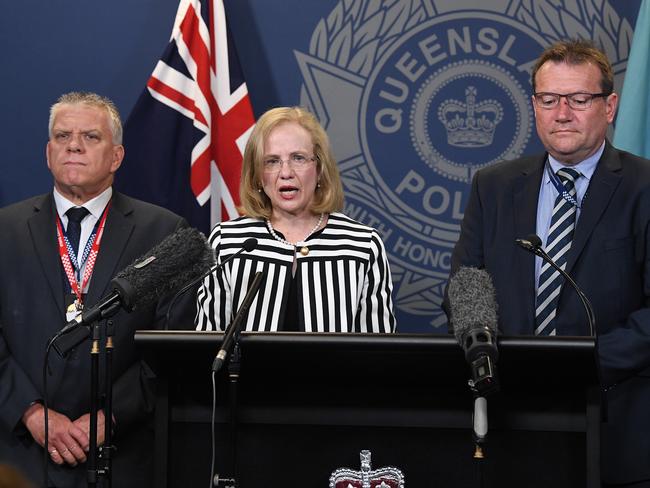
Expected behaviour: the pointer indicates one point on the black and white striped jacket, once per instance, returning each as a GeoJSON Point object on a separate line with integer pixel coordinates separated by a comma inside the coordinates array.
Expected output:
{"type": "Point", "coordinates": [344, 283]}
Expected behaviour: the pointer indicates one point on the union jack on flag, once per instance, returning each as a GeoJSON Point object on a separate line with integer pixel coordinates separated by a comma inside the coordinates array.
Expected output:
{"type": "Point", "coordinates": [186, 135]}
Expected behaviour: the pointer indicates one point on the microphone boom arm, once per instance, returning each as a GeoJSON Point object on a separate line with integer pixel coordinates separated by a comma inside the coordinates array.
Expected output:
{"type": "Point", "coordinates": [533, 244]}
{"type": "Point", "coordinates": [248, 246]}
{"type": "Point", "coordinates": [235, 326]}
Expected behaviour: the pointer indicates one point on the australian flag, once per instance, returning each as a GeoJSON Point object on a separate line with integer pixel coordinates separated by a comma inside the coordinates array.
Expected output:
{"type": "Point", "coordinates": [186, 134]}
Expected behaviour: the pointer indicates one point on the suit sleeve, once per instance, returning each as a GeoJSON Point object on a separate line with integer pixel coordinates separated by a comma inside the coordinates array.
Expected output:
{"type": "Point", "coordinates": [16, 389]}
{"type": "Point", "coordinates": [624, 351]}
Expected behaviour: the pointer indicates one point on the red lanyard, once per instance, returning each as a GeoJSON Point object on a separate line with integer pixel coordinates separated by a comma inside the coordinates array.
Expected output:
{"type": "Point", "coordinates": [90, 261]}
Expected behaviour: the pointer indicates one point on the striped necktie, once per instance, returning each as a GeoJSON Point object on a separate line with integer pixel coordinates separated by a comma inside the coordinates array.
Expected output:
{"type": "Point", "coordinates": [558, 243]}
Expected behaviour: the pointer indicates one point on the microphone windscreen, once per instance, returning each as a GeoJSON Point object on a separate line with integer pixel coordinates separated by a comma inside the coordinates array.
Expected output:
{"type": "Point", "coordinates": [472, 301]}
{"type": "Point", "coordinates": [178, 259]}
{"type": "Point", "coordinates": [250, 244]}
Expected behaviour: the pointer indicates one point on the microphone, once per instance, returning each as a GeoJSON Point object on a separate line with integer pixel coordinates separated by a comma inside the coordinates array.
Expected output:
{"type": "Point", "coordinates": [248, 245]}
{"type": "Point", "coordinates": [532, 243]}
{"type": "Point", "coordinates": [180, 257]}
{"type": "Point", "coordinates": [235, 326]}
{"type": "Point", "coordinates": [473, 316]}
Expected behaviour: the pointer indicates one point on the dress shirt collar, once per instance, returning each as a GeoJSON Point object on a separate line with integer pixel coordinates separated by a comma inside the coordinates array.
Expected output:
{"type": "Point", "coordinates": [586, 167]}
{"type": "Point", "coordinates": [95, 206]}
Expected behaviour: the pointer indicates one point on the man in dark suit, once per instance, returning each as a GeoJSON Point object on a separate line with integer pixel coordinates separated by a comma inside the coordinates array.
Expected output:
{"type": "Point", "coordinates": [56, 258]}
{"type": "Point", "coordinates": [590, 205]}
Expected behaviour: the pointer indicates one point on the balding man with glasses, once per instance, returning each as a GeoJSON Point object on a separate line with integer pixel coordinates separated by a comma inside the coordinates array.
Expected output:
{"type": "Point", "coordinates": [589, 203]}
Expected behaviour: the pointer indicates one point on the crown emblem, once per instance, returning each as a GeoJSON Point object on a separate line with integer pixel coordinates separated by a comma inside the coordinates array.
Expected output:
{"type": "Point", "coordinates": [470, 124]}
{"type": "Point", "coordinates": [387, 477]}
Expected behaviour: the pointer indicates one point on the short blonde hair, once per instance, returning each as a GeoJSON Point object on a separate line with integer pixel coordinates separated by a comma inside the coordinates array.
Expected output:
{"type": "Point", "coordinates": [328, 197]}
{"type": "Point", "coordinates": [92, 100]}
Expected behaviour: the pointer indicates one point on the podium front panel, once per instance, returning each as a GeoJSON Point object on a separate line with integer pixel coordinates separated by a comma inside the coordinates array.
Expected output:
{"type": "Point", "coordinates": [307, 404]}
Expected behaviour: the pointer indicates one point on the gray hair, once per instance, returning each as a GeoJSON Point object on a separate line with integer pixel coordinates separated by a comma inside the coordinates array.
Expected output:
{"type": "Point", "coordinates": [92, 100]}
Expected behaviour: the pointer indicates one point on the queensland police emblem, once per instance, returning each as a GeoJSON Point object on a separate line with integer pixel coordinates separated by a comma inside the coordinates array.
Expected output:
{"type": "Point", "coordinates": [416, 96]}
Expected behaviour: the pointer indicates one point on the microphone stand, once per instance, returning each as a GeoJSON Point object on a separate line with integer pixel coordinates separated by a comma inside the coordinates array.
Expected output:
{"type": "Point", "coordinates": [249, 245]}
{"type": "Point", "coordinates": [533, 244]}
{"type": "Point", "coordinates": [108, 448]}
{"type": "Point", "coordinates": [475, 329]}
{"type": "Point", "coordinates": [231, 341]}
{"type": "Point", "coordinates": [183, 290]}
{"type": "Point", "coordinates": [232, 332]}
{"type": "Point", "coordinates": [94, 381]}
{"type": "Point", "coordinates": [234, 366]}
{"type": "Point", "coordinates": [480, 413]}
{"type": "Point", "coordinates": [95, 472]}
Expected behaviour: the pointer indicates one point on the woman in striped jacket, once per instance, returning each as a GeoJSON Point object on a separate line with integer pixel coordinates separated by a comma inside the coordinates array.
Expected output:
{"type": "Point", "coordinates": [322, 271]}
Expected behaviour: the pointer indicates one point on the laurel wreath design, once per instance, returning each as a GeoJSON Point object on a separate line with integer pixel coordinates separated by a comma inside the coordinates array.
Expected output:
{"type": "Point", "coordinates": [587, 19]}
{"type": "Point", "coordinates": [356, 34]}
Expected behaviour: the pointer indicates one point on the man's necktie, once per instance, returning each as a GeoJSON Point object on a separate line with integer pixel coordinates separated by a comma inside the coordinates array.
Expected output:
{"type": "Point", "coordinates": [73, 232]}
{"type": "Point", "coordinates": [558, 243]}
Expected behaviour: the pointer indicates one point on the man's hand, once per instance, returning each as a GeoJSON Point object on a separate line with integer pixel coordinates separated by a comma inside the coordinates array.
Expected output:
{"type": "Point", "coordinates": [83, 423]}
{"type": "Point", "coordinates": [67, 443]}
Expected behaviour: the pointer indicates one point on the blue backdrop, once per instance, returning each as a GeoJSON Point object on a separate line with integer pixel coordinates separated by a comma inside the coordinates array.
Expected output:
{"type": "Point", "coordinates": [416, 95]}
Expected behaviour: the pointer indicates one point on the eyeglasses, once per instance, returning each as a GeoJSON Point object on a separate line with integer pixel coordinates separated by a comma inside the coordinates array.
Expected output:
{"type": "Point", "coordinates": [577, 101]}
{"type": "Point", "coordinates": [296, 162]}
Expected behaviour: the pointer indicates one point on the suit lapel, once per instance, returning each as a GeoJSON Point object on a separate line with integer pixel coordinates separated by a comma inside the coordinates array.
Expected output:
{"type": "Point", "coordinates": [117, 231]}
{"type": "Point", "coordinates": [42, 228]}
{"type": "Point", "coordinates": [525, 198]}
{"type": "Point", "coordinates": [601, 188]}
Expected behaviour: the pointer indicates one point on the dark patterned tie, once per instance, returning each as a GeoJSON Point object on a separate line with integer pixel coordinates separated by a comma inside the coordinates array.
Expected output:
{"type": "Point", "coordinates": [73, 232]}
{"type": "Point", "coordinates": [558, 243]}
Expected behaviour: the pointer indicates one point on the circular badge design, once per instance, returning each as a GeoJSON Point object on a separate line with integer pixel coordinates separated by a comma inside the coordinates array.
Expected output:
{"type": "Point", "coordinates": [446, 99]}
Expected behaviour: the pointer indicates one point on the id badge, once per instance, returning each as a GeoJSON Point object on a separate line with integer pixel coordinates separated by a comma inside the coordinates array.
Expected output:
{"type": "Point", "coordinates": [73, 307]}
